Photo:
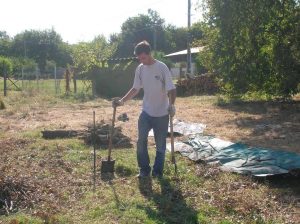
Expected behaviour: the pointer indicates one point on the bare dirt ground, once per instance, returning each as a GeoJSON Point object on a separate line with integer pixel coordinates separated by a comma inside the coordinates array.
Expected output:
{"type": "Point", "coordinates": [262, 124]}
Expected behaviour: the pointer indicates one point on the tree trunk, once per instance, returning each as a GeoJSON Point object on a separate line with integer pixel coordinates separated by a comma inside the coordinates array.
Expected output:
{"type": "Point", "coordinates": [75, 82]}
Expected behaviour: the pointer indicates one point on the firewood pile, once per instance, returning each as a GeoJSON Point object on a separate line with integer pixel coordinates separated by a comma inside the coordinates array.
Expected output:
{"type": "Point", "coordinates": [102, 134]}
{"type": "Point", "coordinates": [204, 84]}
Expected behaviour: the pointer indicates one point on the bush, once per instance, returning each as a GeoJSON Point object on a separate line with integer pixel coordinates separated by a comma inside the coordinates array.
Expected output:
{"type": "Point", "coordinates": [161, 57]}
{"type": "Point", "coordinates": [114, 80]}
{"type": "Point", "coordinates": [28, 65]}
{"type": "Point", "coordinates": [5, 66]}
{"type": "Point", "coordinates": [254, 46]}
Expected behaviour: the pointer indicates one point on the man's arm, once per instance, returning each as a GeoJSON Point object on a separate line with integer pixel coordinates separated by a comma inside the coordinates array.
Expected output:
{"type": "Point", "coordinates": [131, 93]}
{"type": "Point", "coordinates": [172, 96]}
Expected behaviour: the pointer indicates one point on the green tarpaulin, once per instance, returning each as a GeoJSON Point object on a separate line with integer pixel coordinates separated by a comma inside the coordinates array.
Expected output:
{"type": "Point", "coordinates": [237, 157]}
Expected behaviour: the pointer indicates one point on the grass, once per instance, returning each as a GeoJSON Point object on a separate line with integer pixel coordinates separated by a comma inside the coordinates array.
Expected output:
{"type": "Point", "coordinates": [47, 86]}
{"type": "Point", "coordinates": [192, 197]}
{"type": "Point", "coordinates": [62, 171]}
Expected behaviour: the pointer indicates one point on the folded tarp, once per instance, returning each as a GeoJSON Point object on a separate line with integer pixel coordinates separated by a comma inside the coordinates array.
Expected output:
{"type": "Point", "coordinates": [185, 128]}
{"type": "Point", "coordinates": [237, 157]}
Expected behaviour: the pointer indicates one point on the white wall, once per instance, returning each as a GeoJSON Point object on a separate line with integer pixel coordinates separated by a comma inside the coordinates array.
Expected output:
{"type": "Point", "coordinates": [175, 71]}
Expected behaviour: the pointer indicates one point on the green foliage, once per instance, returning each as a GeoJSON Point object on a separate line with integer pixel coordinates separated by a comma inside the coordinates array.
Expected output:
{"type": "Point", "coordinates": [161, 57]}
{"type": "Point", "coordinates": [5, 43]}
{"type": "Point", "coordinates": [254, 45]}
{"type": "Point", "coordinates": [26, 64]}
{"type": "Point", "coordinates": [169, 38]}
{"type": "Point", "coordinates": [114, 80]}
{"type": "Point", "coordinates": [44, 48]}
{"type": "Point", "coordinates": [138, 28]}
{"type": "Point", "coordinates": [25, 219]}
{"type": "Point", "coordinates": [41, 46]}
{"type": "Point", "coordinates": [176, 38]}
{"type": "Point", "coordinates": [5, 66]}
{"type": "Point", "coordinates": [50, 65]}
{"type": "Point", "coordinates": [87, 56]}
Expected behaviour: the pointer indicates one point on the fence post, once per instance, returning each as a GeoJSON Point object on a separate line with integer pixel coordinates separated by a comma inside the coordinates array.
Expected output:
{"type": "Point", "coordinates": [55, 82]}
{"type": "Point", "coordinates": [37, 77]}
{"type": "Point", "coordinates": [75, 82]}
{"type": "Point", "coordinates": [22, 78]}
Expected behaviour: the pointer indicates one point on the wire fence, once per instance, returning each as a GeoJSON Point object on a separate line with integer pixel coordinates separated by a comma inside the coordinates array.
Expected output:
{"type": "Point", "coordinates": [49, 82]}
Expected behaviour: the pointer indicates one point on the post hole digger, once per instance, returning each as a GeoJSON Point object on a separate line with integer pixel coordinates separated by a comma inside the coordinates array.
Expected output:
{"type": "Point", "coordinates": [107, 166]}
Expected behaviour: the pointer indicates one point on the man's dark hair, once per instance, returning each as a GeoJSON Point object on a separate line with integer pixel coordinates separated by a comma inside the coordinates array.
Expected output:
{"type": "Point", "coordinates": [142, 47]}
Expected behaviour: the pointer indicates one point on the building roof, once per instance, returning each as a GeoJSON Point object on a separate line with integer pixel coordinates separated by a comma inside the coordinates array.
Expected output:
{"type": "Point", "coordinates": [194, 50]}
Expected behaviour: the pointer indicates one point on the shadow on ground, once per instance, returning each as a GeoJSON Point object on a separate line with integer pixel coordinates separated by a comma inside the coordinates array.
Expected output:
{"type": "Point", "coordinates": [261, 107]}
{"type": "Point", "coordinates": [170, 203]}
{"type": "Point", "coordinates": [271, 124]}
{"type": "Point", "coordinates": [287, 182]}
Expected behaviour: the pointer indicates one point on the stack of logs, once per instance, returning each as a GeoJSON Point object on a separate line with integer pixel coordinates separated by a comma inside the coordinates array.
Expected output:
{"type": "Point", "coordinates": [200, 85]}
{"type": "Point", "coordinates": [102, 134]}
{"type": "Point", "coordinates": [101, 137]}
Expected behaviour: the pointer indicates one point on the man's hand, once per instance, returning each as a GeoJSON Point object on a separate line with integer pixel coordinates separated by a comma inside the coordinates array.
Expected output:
{"type": "Point", "coordinates": [172, 110]}
{"type": "Point", "coordinates": [116, 102]}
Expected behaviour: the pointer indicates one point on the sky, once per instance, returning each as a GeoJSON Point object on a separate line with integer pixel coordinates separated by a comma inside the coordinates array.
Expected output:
{"type": "Point", "coordinates": [82, 20]}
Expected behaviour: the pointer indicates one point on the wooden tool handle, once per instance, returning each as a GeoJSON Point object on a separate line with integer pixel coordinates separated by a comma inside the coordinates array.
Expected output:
{"type": "Point", "coordinates": [94, 145]}
{"type": "Point", "coordinates": [172, 141]}
{"type": "Point", "coordinates": [111, 133]}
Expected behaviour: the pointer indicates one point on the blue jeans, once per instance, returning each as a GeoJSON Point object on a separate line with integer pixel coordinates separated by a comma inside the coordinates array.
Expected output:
{"type": "Point", "coordinates": [160, 129]}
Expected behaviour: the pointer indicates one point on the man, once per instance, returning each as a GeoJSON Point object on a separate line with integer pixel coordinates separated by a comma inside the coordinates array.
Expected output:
{"type": "Point", "coordinates": [158, 103]}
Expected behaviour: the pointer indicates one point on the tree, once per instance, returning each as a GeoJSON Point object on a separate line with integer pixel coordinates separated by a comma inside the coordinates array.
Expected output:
{"type": "Point", "coordinates": [254, 45]}
{"type": "Point", "coordinates": [89, 55]}
{"type": "Point", "coordinates": [5, 43]}
{"type": "Point", "coordinates": [176, 37]}
{"type": "Point", "coordinates": [41, 46]}
{"type": "Point", "coordinates": [151, 27]}
{"type": "Point", "coordinates": [26, 64]}
{"type": "Point", "coordinates": [6, 66]}
{"type": "Point", "coordinates": [139, 28]}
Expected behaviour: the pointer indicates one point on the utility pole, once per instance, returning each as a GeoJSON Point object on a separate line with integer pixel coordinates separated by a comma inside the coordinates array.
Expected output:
{"type": "Point", "coordinates": [189, 56]}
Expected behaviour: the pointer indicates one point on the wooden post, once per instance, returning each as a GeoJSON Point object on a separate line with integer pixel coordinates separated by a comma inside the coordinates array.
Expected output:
{"type": "Point", "coordinates": [93, 87]}
{"type": "Point", "coordinates": [37, 77]}
{"type": "Point", "coordinates": [55, 81]}
{"type": "Point", "coordinates": [22, 78]}
{"type": "Point", "coordinates": [67, 74]}
{"type": "Point", "coordinates": [75, 82]}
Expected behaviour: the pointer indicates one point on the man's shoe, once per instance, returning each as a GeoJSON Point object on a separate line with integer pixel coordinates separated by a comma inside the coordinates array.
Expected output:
{"type": "Point", "coordinates": [142, 175]}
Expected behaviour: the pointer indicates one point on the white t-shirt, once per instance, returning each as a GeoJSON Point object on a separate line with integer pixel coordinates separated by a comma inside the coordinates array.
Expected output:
{"type": "Point", "coordinates": [156, 81]}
